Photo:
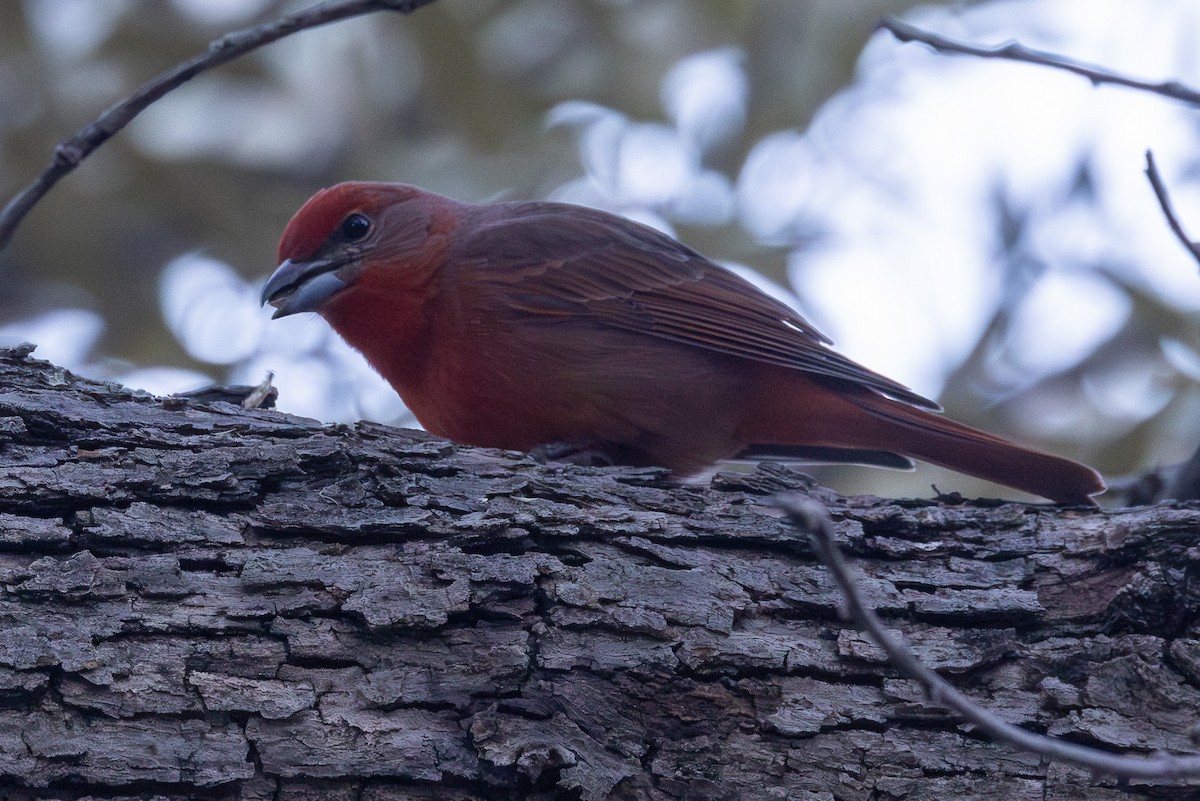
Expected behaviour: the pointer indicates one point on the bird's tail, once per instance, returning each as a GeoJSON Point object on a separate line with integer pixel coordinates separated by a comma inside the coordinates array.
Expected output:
{"type": "Point", "coordinates": [815, 414]}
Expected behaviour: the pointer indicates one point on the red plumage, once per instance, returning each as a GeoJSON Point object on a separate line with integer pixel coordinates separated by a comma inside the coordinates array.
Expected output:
{"type": "Point", "coordinates": [519, 325]}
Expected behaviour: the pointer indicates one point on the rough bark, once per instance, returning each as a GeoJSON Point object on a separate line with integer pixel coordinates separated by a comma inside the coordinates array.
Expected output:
{"type": "Point", "coordinates": [202, 602]}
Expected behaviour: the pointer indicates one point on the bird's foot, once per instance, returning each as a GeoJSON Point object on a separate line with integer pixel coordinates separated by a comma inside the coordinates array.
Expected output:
{"type": "Point", "coordinates": [585, 454]}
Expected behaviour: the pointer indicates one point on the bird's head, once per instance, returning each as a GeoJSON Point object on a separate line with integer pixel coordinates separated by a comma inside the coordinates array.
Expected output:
{"type": "Point", "coordinates": [343, 233]}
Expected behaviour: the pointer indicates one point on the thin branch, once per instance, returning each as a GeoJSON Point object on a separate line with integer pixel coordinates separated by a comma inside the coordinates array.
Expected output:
{"type": "Point", "coordinates": [1164, 200]}
{"type": "Point", "coordinates": [813, 518]}
{"type": "Point", "coordinates": [69, 153]}
{"type": "Point", "coordinates": [1015, 51]}
{"type": "Point", "coordinates": [1186, 483]}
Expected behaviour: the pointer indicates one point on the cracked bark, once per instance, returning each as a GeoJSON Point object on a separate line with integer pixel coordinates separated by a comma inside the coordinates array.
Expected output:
{"type": "Point", "coordinates": [202, 602]}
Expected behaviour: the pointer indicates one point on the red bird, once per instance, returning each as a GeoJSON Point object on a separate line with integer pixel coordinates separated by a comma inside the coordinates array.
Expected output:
{"type": "Point", "coordinates": [532, 325]}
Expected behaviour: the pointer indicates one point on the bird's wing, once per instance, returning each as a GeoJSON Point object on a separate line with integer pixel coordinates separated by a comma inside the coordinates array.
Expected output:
{"type": "Point", "coordinates": [548, 260]}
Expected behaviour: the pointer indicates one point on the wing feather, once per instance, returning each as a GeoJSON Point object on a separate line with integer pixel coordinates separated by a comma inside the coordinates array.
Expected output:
{"type": "Point", "coordinates": [549, 260]}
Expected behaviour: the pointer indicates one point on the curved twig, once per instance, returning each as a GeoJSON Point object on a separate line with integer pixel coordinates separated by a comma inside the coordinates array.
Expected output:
{"type": "Point", "coordinates": [813, 518]}
{"type": "Point", "coordinates": [1164, 200]}
{"type": "Point", "coordinates": [69, 153]}
{"type": "Point", "coordinates": [1186, 482]}
{"type": "Point", "coordinates": [1015, 51]}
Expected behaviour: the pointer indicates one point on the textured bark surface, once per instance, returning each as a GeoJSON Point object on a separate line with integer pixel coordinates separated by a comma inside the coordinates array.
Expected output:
{"type": "Point", "coordinates": [201, 602]}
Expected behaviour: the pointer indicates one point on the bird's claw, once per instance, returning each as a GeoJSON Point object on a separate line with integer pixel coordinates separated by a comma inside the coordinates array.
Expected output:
{"type": "Point", "coordinates": [581, 454]}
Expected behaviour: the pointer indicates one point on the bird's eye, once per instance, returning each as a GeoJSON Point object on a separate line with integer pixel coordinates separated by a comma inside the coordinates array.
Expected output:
{"type": "Point", "coordinates": [355, 227]}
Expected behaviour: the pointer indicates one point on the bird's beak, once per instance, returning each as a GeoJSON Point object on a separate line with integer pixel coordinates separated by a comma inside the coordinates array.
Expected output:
{"type": "Point", "coordinates": [302, 286]}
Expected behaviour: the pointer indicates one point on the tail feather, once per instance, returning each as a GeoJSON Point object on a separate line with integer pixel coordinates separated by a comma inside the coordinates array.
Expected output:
{"type": "Point", "coordinates": [968, 450]}
{"type": "Point", "coordinates": [815, 414]}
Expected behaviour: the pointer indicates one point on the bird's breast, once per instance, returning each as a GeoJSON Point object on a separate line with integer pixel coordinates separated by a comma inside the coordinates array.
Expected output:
{"type": "Point", "coordinates": [482, 376]}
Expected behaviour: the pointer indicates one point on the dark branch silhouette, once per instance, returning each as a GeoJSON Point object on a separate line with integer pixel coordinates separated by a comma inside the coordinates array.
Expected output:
{"type": "Point", "coordinates": [813, 518]}
{"type": "Point", "coordinates": [1186, 483]}
{"type": "Point", "coordinates": [1015, 51]}
{"type": "Point", "coordinates": [1164, 200]}
{"type": "Point", "coordinates": [69, 153]}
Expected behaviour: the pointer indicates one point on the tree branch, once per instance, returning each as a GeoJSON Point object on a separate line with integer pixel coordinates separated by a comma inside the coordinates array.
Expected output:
{"type": "Point", "coordinates": [1015, 51]}
{"type": "Point", "coordinates": [813, 518]}
{"type": "Point", "coordinates": [70, 153]}
{"type": "Point", "coordinates": [1186, 482]}
{"type": "Point", "coordinates": [1164, 200]}
{"type": "Point", "coordinates": [204, 601]}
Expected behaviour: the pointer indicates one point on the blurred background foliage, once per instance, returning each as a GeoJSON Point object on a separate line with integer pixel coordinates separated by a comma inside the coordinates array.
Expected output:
{"type": "Point", "coordinates": [979, 230]}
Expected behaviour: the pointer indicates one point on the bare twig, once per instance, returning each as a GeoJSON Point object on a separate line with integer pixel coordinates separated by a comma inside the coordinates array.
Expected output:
{"type": "Point", "coordinates": [813, 518]}
{"type": "Point", "coordinates": [1164, 200]}
{"type": "Point", "coordinates": [1015, 51]}
{"type": "Point", "coordinates": [69, 153]}
{"type": "Point", "coordinates": [1186, 483]}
